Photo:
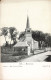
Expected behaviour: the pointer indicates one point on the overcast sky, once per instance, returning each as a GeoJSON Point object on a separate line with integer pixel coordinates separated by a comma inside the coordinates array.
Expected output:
{"type": "Point", "coordinates": [15, 14]}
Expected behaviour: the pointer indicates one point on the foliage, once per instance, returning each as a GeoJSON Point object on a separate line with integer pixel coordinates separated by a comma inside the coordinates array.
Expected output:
{"type": "Point", "coordinates": [41, 37]}
{"type": "Point", "coordinates": [36, 35]}
{"type": "Point", "coordinates": [4, 32]}
{"type": "Point", "coordinates": [13, 34]}
{"type": "Point", "coordinates": [48, 39]}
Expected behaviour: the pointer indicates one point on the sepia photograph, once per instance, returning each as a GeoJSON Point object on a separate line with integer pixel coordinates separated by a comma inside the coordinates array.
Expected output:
{"type": "Point", "coordinates": [25, 39]}
{"type": "Point", "coordinates": [25, 31]}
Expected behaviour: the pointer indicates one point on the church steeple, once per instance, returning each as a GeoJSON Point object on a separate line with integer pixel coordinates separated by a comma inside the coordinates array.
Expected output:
{"type": "Point", "coordinates": [28, 33]}
{"type": "Point", "coordinates": [27, 24]}
{"type": "Point", "coordinates": [28, 29]}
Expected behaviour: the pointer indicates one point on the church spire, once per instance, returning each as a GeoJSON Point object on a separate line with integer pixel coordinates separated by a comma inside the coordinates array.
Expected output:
{"type": "Point", "coordinates": [27, 24]}
{"type": "Point", "coordinates": [28, 29]}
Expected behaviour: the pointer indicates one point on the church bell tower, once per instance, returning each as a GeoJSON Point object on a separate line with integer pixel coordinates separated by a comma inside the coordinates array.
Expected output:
{"type": "Point", "coordinates": [28, 33]}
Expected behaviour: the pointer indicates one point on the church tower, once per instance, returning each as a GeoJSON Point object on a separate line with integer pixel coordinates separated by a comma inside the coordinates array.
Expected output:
{"type": "Point", "coordinates": [28, 29]}
{"type": "Point", "coordinates": [28, 33]}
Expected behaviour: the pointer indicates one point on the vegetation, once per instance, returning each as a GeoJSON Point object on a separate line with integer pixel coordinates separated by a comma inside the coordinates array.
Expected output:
{"type": "Point", "coordinates": [42, 38]}
{"type": "Point", "coordinates": [11, 56]}
{"type": "Point", "coordinates": [4, 32]}
{"type": "Point", "coordinates": [12, 35]}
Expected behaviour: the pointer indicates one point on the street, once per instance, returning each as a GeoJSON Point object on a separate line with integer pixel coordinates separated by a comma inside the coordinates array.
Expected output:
{"type": "Point", "coordinates": [38, 57]}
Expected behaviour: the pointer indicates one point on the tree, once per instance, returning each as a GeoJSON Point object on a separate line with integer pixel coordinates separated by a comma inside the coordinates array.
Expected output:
{"type": "Point", "coordinates": [39, 36]}
{"type": "Point", "coordinates": [48, 40]}
{"type": "Point", "coordinates": [13, 34]}
{"type": "Point", "coordinates": [36, 35]}
{"type": "Point", "coordinates": [44, 39]}
{"type": "Point", "coordinates": [21, 34]}
{"type": "Point", "coordinates": [4, 32]}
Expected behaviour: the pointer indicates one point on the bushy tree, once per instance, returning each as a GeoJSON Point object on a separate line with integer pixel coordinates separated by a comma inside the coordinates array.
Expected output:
{"type": "Point", "coordinates": [42, 38]}
{"type": "Point", "coordinates": [48, 40]}
{"type": "Point", "coordinates": [4, 32]}
{"type": "Point", "coordinates": [13, 34]}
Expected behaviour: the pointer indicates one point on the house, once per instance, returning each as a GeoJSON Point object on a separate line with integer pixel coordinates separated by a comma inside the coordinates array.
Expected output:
{"type": "Point", "coordinates": [28, 44]}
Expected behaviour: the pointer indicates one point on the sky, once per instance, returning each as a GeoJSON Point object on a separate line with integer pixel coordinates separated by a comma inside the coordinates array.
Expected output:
{"type": "Point", "coordinates": [15, 14]}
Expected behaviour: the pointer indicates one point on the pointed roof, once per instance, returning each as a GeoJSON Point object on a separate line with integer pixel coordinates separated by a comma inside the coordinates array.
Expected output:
{"type": "Point", "coordinates": [27, 24]}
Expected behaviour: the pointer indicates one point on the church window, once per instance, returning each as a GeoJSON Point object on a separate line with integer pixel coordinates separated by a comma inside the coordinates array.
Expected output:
{"type": "Point", "coordinates": [28, 31]}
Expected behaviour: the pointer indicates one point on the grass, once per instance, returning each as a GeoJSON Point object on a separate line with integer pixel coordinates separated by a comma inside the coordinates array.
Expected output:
{"type": "Point", "coordinates": [11, 58]}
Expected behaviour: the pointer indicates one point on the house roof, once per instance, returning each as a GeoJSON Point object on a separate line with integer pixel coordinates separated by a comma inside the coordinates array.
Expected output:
{"type": "Point", "coordinates": [21, 44]}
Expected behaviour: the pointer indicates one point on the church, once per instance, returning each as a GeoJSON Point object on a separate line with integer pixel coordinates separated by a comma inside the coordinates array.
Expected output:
{"type": "Point", "coordinates": [27, 44]}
